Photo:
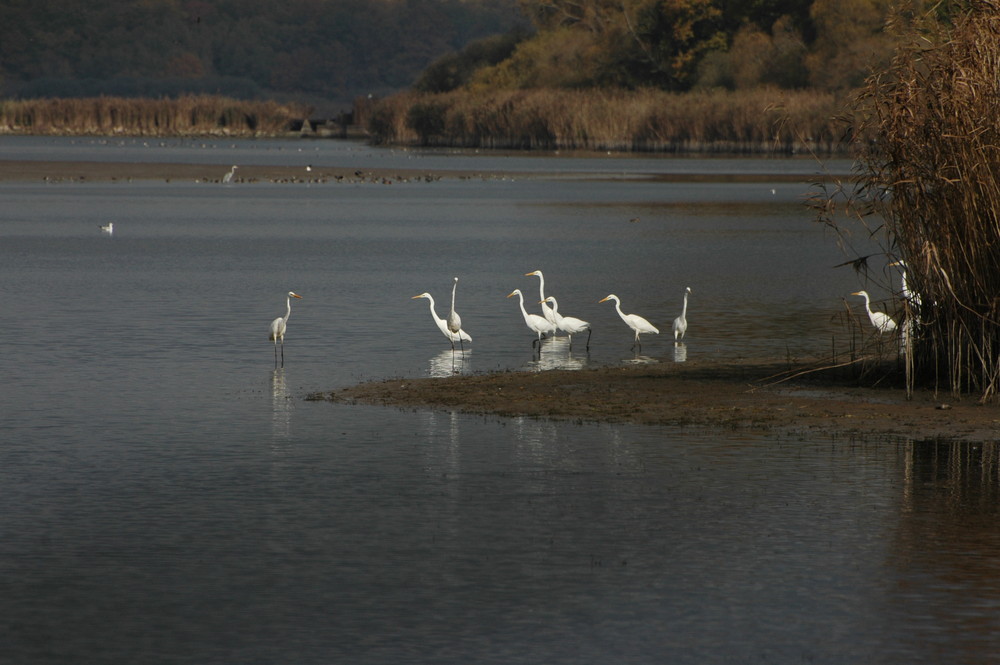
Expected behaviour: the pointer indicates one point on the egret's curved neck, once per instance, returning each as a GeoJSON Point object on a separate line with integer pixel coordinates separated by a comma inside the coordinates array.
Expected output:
{"type": "Point", "coordinates": [618, 306]}
{"type": "Point", "coordinates": [430, 303]}
{"type": "Point", "coordinates": [288, 305]}
{"type": "Point", "coordinates": [453, 289]}
{"type": "Point", "coordinates": [685, 310]}
{"type": "Point", "coordinates": [520, 299]}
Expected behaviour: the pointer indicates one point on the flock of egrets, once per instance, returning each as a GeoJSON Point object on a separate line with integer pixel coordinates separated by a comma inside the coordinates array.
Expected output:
{"type": "Point", "coordinates": [549, 323]}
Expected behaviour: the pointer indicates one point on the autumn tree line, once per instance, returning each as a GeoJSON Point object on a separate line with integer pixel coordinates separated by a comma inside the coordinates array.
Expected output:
{"type": "Point", "coordinates": [627, 74]}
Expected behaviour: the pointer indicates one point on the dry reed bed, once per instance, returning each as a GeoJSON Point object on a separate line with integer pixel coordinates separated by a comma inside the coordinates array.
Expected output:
{"type": "Point", "coordinates": [183, 116]}
{"type": "Point", "coordinates": [762, 120]}
{"type": "Point", "coordinates": [933, 176]}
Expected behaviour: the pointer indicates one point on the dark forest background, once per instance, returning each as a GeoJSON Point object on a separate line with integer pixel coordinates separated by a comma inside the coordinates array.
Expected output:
{"type": "Point", "coordinates": [329, 52]}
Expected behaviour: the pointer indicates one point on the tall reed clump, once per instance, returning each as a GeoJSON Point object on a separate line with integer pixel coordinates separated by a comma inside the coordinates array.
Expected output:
{"type": "Point", "coordinates": [932, 173]}
{"type": "Point", "coordinates": [184, 116]}
{"type": "Point", "coordinates": [764, 120]}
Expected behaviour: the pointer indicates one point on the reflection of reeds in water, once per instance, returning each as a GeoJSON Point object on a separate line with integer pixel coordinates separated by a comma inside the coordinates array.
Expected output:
{"type": "Point", "coordinates": [933, 175]}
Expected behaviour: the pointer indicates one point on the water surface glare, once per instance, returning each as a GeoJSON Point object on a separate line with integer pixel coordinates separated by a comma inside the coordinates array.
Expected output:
{"type": "Point", "coordinates": [168, 496]}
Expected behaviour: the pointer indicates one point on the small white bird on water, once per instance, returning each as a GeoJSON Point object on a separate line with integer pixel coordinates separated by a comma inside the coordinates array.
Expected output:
{"type": "Point", "coordinates": [681, 322]}
{"type": "Point", "coordinates": [226, 179]}
{"type": "Point", "coordinates": [882, 321]}
{"type": "Point", "coordinates": [459, 336]}
{"type": "Point", "coordinates": [108, 228]}
{"type": "Point", "coordinates": [537, 324]}
{"type": "Point", "coordinates": [569, 324]}
{"type": "Point", "coordinates": [633, 321]}
{"type": "Point", "coordinates": [278, 327]}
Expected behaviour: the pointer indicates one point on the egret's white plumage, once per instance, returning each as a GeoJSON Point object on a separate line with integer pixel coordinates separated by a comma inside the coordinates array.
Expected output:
{"type": "Point", "coordinates": [681, 322]}
{"type": "Point", "coordinates": [633, 321]}
{"type": "Point", "coordinates": [460, 336]}
{"type": "Point", "coordinates": [108, 228]}
{"type": "Point", "coordinates": [537, 324]}
{"type": "Point", "coordinates": [546, 311]}
{"type": "Point", "coordinates": [229, 176]}
{"type": "Point", "coordinates": [454, 320]}
{"type": "Point", "coordinates": [912, 296]}
{"type": "Point", "coordinates": [569, 324]}
{"type": "Point", "coordinates": [278, 327]}
{"type": "Point", "coordinates": [882, 321]}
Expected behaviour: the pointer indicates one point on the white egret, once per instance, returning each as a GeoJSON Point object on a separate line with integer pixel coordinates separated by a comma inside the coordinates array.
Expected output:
{"type": "Point", "coordinates": [108, 228]}
{"type": "Point", "coordinates": [278, 327]}
{"type": "Point", "coordinates": [454, 320]}
{"type": "Point", "coordinates": [882, 321]}
{"type": "Point", "coordinates": [681, 322]}
{"type": "Point", "coordinates": [546, 311]}
{"type": "Point", "coordinates": [535, 323]}
{"type": "Point", "coordinates": [909, 294]}
{"type": "Point", "coordinates": [633, 321]}
{"type": "Point", "coordinates": [460, 336]}
{"type": "Point", "coordinates": [569, 324]}
{"type": "Point", "coordinates": [229, 176]}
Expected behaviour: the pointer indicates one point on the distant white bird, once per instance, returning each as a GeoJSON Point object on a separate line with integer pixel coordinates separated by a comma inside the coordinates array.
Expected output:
{"type": "Point", "coordinates": [882, 321]}
{"type": "Point", "coordinates": [229, 176]}
{"type": "Point", "coordinates": [633, 321]}
{"type": "Point", "coordinates": [681, 322]}
{"type": "Point", "coordinates": [569, 324]}
{"type": "Point", "coordinates": [535, 323]}
{"type": "Point", "coordinates": [108, 228]}
{"type": "Point", "coordinates": [546, 311]}
{"type": "Point", "coordinates": [454, 320]}
{"type": "Point", "coordinates": [461, 336]}
{"type": "Point", "coordinates": [278, 327]}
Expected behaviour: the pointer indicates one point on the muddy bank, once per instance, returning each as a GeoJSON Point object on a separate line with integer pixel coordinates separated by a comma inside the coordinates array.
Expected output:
{"type": "Point", "coordinates": [737, 396]}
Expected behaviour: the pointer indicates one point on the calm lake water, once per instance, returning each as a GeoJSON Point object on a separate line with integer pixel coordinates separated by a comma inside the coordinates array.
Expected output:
{"type": "Point", "coordinates": [168, 496]}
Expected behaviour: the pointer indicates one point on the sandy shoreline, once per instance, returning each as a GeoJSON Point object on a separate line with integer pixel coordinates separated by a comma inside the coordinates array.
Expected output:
{"type": "Point", "coordinates": [718, 396]}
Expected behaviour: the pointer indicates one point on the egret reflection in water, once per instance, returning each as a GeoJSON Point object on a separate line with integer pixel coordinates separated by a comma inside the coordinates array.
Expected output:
{"type": "Point", "coordinates": [281, 405]}
{"type": "Point", "coordinates": [448, 363]}
{"type": "Point", "coordinates": [680, 352]}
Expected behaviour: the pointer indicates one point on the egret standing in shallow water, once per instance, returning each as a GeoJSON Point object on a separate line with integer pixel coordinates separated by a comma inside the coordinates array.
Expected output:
{"type": "Point", "coordinates": [681, 322]}
{"type": "Point", "coordinates": [883, 322]}
{"type": "Point", "coordinates": [460, 336]}
{"type": "Point", "coordinates": [278, 327]}
{"type": "Point", "coordinates": [537, 324]}
{"type": "Point", "coordinates": [546, 311]}
{"type": "Point", "coordinates": [454, 320]}
{"type": "Point", "coordinates": [108, 228]}
{"type": "Point", "coordinates": [228, 178]}
{"type": "Point", "coordinates": [569, 324]}
{"type": "Point", "coordinates": [634, 321]}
